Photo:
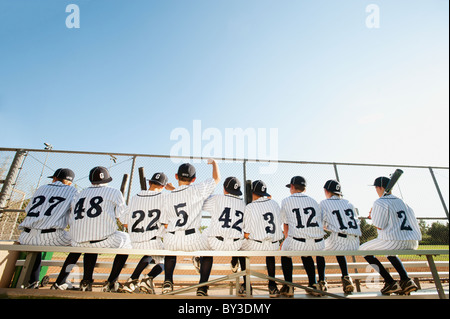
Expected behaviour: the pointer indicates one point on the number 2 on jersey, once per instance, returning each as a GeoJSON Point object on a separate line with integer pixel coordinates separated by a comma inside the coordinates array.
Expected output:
{"type": "Point", "coordinates": [404, 225]}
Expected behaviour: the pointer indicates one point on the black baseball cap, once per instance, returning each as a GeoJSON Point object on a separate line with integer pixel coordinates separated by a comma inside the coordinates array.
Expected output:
{"type": "Point", "coordinates": [186, 170]}
{"type": "Point", "coordinates": [99, 175]}
{"type": "Point", "coordinates": [333, 186]}
{"type": "Point", "coordinates": [159, 178]}
{"type": "Point", "coordinates": [232, 186]}
{"type": "Point", "coordinates": [259, 188]}
{"type": "Point", "coordinates": [381, 181]}
{"type": "Point", "coordinates": [297, 180]}
{"type": "Point", "coordinates": [64, 173]}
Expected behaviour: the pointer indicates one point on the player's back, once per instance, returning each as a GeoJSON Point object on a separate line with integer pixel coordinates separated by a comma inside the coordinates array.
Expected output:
{"type": "Point", "coordinates": [183, 206]}
{"type": "Point", "coordinates": [262, 220]}
{"type": "Point", "coordinates": [227, 213]}
{"type": "Point", "coordinates": [339, 215]}
{"type": "Point", "coordinates": [94, 213]}
{"type": "Point", "coordinates": [143, 216]}
{"type": "Point", "coordinates": [49, 207]}
{"type": "Point", "coordinates": [303, 215]}
{"type": "Point", "coordinates": [396, 219]}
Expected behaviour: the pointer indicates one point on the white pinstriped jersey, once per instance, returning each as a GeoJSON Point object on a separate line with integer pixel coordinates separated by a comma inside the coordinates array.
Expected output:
{"type": "Point", "coordinates": [183, 206]}
{"type": "Point", "coordinates": [94, 213]}
{"type": "Point", "coordinates": [396, 219]}
{"type": "Point", "coordinates": [303, 215]}
{"type": "Point", "coordinates": [49, 207]}
{"type": "Point", "coordinates": [227, 214]}
{"type": "Point", "coordinates": [143, 216]}
{"type": "Point", "coordinates": [339, 216]}
{"type": "Point", "coordinates": [262, 220]}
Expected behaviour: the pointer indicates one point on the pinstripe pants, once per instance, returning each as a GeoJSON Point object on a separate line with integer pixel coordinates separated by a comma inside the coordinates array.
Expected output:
{"type": "Point", "coordinates": [180, 241]}
{"type": "Point", "coordinates": [335, 242]}
{"type": "Point", "coordinates": [116, 240]}
{"type": "Point", "coordinates": [381, 244]}
{"type": "Point", "coordinates": [34, 237]}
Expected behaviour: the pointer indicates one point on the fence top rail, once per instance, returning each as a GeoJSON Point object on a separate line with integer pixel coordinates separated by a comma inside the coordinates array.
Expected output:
{"type": "Point", "coordinates": [67, 249]}
{"type": "Point", "coordinates": [222, 158]}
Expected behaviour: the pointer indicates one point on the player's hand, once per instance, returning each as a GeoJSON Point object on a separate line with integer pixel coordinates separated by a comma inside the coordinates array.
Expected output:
{"type": "Point", "coordinates": [211, 160]}
{"type": "Point", "coordinates": [370, 214]}
{"type": "Point", "coordinates": [169, 187]}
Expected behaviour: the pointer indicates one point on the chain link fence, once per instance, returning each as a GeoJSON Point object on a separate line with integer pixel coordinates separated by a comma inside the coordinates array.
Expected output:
{"type": "Point", "coordinates": [425, 189]}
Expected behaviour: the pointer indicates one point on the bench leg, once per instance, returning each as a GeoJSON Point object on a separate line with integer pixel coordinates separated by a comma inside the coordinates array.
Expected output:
{"type": "Point", "coordinates": [417, 282]}
{"type": "Point", "coordinates": [26, 269]}
{"type": "Point", "coordinates": [247, 276]}
{"type": "Point", "coordinates": [435, 274]}
{"type": "Point", "coordinates": [358, 285]}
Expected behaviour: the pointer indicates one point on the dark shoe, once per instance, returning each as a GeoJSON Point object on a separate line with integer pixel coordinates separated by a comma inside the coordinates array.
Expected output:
{"type": "Point", "coordinates": [391, 288]}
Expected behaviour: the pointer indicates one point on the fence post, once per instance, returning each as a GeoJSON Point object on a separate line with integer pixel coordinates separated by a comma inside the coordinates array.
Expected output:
{"type": "Point", "coordinates": [336, 172]}
{"type": "Point", "coordinates": [10, 178]}
{"type": "Point", "coordinates": [439, 191]}
{"type": "Point", "coordinates": [131, 178]}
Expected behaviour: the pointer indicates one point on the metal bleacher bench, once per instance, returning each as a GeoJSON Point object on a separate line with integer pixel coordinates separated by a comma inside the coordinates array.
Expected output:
{"type": "Point", "coordinates": [253, 270]}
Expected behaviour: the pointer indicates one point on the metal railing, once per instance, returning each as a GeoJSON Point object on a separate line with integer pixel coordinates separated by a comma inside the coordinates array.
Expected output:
{"type": "Point", "coordinates": [22, 171]}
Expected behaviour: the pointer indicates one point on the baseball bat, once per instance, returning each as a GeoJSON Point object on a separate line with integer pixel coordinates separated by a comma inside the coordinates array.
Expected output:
{"type": "Point", "coordinates": [248, 191]}
{"type": "Point", "coordinates": [124, 184]}
{"type": "Point", "coordinates": [142, 179]}
{"type": "Point", "coordinates": [394, 179]}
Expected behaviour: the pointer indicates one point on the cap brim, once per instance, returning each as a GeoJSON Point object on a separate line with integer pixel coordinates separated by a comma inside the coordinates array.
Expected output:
{"type": "Point", "coordinates": [157, 182]}
{"type": "Point", "coordinates": [288, 185]}
{"type": "Point", "coordinates": [236, 192]}
{"type": "Point", "coordinates": [108, 180]}
{"type": "Point", "coordinates": [261, 194]}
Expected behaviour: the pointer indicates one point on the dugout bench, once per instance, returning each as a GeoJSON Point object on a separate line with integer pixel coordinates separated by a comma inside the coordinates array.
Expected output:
{"type": "Point", "coordinates": [251, 271]}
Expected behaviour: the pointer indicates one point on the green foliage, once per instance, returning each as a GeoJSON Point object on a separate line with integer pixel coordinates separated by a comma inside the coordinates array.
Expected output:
{"type": "Point", "coordinates": [368, 231]}
{"type": "Point", "coordinates": [436, 234]}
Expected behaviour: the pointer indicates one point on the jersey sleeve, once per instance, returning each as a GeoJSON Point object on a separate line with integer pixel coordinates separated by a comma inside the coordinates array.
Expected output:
{"type": "Point", "coordinates": [120, 205]}
{"type": "Point", "coordinates": [206, 188]}
{"type": "Point", "coordinates": [322, 208]}
{"type": "Point", "coordinates": [125, 217]}
{"type": "Point", "coordinates": [208, 205]}
{"type": "Point", "coordinates": [247, 221]}
{"type": "Point", "coordinates": [380, 215]}
{"type": "Point", "coordinates": [283, 217]}
{"type": "Point", "coordinates": [164, 219]}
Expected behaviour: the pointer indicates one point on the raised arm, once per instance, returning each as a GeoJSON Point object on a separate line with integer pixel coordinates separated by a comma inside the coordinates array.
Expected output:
{"type": "Point", "coordinates": [216, 171]}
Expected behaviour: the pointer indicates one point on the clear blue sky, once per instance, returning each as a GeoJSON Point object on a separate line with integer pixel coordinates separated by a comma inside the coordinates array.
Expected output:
{"type": "Point", "coordinates": [137, 70]}
{"type": "Point", "coordinates": [134, 71]}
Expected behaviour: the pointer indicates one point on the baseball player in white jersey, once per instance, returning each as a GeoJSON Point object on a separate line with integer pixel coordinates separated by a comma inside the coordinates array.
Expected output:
{"type": "Point", "coordinates": [341, 220]}
{"type": "Point", "coordinates": [181, 216]}
{"type": "Point", "coordinates": [262, 230]}
{"type": "Point", "coordinates": [93, 223]}
{"type": "Point", "coordinates": [47, 215]}
{"type": "Point", "coordinates": [225, 229]}
{"type": "Point", "coordinates": [397, 229]}
{"type": "Point", "coordinates": [143, 219]}
{"type": "Point", "coordinates": [303, 230]}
